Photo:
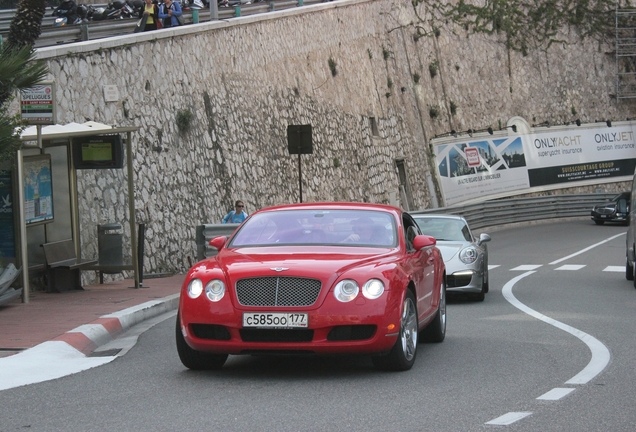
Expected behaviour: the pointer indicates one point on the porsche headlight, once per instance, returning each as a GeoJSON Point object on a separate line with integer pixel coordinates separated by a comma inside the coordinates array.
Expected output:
{"type": "Point", "coordinates": [373, 289]}
{"type": "Point", "coordinates": [468, 255]}
{"type": "Point", "coordinates": [195, 288]}
{"type": "Point", "coordinates": [215, 290]}
{"type": "Point", "coordinates": [346, 290]}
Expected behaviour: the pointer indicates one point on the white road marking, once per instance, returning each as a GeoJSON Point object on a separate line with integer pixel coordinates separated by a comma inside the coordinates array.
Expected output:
{"type": "Point", "coordinates": [617, 269]}
{"type": "Point", "coordinates": [586, 249]}
{"type": "Point", "coordinates": [600, 353]}
{"type": "Point", "coordinates": [509, 418]}
{"type": "Point", "coordinates": [556, 393]}
{"type": "Point", "coordinates": [570, 267]}
{"type": "Point", "coordinates": [526, 267]}
{"type": "Point", "coordinates": [490, 267]}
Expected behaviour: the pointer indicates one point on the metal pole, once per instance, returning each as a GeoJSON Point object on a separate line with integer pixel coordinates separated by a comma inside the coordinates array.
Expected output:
{"type": "Point", "coordinates": [214, 10]}
{"type": "Point", "coordinates": [300, 179]}
{"type": "Point", "coordinates": [131, 208]}
{"type": "Point", "coordinates": [140, 247]}
{"type": "Point", "coordinates": [24, 256]}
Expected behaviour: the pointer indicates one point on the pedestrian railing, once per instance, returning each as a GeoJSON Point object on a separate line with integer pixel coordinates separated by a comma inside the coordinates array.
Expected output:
{"type": "Point", "coordinates": [92, 30]}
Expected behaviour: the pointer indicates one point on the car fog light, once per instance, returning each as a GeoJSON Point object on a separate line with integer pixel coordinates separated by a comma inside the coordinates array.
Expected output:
{"type": "Point", "coordinates": [373, 289]}
{"type": "Point", "coordinates": [215, 290]}
{"type": "Point", "coordinates": [195, 288]}
{"type": "Point", "coordinates": [346, 290]}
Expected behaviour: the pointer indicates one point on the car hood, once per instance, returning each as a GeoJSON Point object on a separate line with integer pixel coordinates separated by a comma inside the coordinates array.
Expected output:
{"type": "Point", "coordinates": [450, 249]}
{"type": "Point", "coordinates": [321, 263]}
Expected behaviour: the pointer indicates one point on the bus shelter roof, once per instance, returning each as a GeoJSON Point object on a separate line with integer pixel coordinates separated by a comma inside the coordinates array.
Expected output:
{"type": "Point", "coordinates": [70, 130]}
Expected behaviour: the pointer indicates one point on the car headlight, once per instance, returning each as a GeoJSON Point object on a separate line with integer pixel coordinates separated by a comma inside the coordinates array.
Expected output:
{"type": "Point", "coordinates": [373, 289]}
{"type": "Point", "coordinates": [346, 290]}
{"type": "Point", "coordinates": [468, 255]}
{"type": "Point", "coordinates": [215, 290]}
{"type": "Point", "coordinates": [195, 288]}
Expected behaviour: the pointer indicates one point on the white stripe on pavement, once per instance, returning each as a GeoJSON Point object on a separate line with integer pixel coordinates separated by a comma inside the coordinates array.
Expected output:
{"type": "Point", "coordinates": [526, 267]}
{"type": "Point", "coordinates": [600, 353]}
{"type": "Point", "coordinates": [617, 269]}
{"type": "Point", "coordinates": [556, 393]}
{"type": "Point", "coordinates": [586, 249]}
{"type": "Point", "coordinates": [570, 267]}
{"type": "Point", "coordinates": [509, 418]}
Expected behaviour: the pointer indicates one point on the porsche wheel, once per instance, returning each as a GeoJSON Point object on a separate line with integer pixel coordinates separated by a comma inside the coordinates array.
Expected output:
{"type": "Point", "coordinates": [629, 270]}
{"type": "Point", "coordinates": [403, 353]}
{"type": "Point", "coordinates": [486, 284]}
{"type": "Point", "coordinates": [193, 359]}
{"type": "Point", "coordinates": [436, 330]}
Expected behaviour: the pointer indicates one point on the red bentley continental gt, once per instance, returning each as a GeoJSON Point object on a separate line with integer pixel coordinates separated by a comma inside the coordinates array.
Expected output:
{"type": "Point", "coordinates": [315, 278]}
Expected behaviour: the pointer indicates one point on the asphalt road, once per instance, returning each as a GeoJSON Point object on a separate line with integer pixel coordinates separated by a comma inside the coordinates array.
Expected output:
{"type": "Point", "coordinates": [551, 349]}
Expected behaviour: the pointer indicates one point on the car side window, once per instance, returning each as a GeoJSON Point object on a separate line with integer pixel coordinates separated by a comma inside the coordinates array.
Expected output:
{"type": "Point", "coordinates": [411, 230]}
{"type": "Point", "coordinates": [466, 233]}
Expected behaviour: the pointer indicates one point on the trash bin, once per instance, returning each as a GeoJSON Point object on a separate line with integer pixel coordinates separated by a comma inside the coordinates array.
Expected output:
{"type": "Point", "coordinates": [109, 244]}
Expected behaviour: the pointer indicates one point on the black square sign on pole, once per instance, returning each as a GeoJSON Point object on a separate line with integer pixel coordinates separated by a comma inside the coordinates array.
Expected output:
{"type": "Point", "coordinates": [299, 139]}
{"type": "Point", "coordinates": [299, 142]}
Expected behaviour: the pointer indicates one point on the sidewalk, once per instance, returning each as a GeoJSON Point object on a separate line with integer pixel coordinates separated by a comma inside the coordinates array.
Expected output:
{"type": "Point", "coordinates": [52, 316]}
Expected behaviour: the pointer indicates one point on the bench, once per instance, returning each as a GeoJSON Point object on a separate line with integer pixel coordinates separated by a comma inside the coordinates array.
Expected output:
{"type": "Point", "coordinates": [63, 267]}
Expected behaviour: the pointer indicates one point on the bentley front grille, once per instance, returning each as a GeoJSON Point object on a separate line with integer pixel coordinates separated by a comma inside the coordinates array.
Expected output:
{"type": "Point", "coordinates": [277, 291]}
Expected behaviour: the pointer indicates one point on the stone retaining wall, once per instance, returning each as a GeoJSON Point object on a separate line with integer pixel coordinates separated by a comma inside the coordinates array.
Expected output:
{"type": "Point", "coordinates": [339, 66]}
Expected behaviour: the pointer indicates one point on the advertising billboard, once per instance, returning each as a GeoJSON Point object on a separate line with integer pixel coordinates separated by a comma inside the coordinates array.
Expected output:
{"type": "Point", "coordinates": [495, 165]}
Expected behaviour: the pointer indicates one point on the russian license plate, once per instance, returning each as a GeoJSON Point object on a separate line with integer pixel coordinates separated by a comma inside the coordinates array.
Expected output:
{"type": "Point", "coordinates": [603, 216]}
{"type": "Point", "coordinates": [275, 320]}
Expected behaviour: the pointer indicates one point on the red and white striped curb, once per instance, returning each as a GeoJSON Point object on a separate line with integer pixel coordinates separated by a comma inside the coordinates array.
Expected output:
{"type": "Point", "coordinates": [88, 337]}
{"type": "Point", "coordinates": [67, 354]}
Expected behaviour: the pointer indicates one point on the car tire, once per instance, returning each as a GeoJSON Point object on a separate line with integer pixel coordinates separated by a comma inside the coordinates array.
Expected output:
{"type": "Point", "coordinates": [193, 359]}
{"type": "Point", "coordinates": [629, 270]}
{"type": "Point", "coordinates": [436, 330]}
{"type": "Point", "coordinates": [402, 355]}
{"type": "Point", "coordinates": [599, 222]}
{"type": "Point", "coordinates": [485, 287]}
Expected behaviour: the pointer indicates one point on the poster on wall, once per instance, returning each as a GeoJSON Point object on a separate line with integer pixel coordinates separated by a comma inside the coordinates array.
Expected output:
{"type": "Point", "coordinates": [491, 166]}
{"type": "Point", "coordinates": [38, 190]}
{"type": "Point", "coordinates": [7, 235]}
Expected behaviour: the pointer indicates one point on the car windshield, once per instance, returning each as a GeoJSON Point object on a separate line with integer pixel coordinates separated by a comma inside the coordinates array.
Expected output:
{"type": "Point", "coordinates": [444, 229]}
{"type": "Point", "coordinates": [620, 196]}
{"type": "Point", "coordinates": [318, 227]}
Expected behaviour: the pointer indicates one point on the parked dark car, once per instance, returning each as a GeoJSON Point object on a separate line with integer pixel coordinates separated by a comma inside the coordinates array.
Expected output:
{"type": "Point", "coordinates": [615, 210]}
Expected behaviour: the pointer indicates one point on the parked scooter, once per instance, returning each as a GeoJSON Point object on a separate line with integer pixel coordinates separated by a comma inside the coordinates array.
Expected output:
{"type": "Point", "coordinates": [116, 9]}
{"type": "Point", "coordinates": [66, 14]}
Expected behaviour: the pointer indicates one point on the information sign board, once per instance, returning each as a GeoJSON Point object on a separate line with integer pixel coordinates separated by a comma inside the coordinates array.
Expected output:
{"type": "Point", "coordinates": [37, 104]}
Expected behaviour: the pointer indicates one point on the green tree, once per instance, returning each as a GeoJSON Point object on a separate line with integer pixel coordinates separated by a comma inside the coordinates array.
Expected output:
{"type": "Point", "coordinates": [26, 25]}
{"type": "Point", "coordinates": [524, 24]}
{"type": "Point", "coordinates": [18, 70]}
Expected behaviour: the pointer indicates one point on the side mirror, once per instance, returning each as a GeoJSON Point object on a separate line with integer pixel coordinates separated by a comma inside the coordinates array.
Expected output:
{"type": "Point", "coordinates": [483, 238]}
{"type": "Point", "coordinates": [422, 241]}
{"type": "Point", "coordinates": [218, 242]}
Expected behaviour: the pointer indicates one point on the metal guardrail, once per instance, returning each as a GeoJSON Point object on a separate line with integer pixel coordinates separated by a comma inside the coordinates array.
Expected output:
{"type": "Point", "coordinates": [207, 232]}
{"type": "Point", "coordinates": [514, 210]}
{"type": "Point", "coordinates": [92, 30]}
{"type": "Point", "coordinates": [481, 215]}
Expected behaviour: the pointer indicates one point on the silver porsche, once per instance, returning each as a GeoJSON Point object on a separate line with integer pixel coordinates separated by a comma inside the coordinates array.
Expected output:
{"type": "Point", "coordinates": [466, 258]}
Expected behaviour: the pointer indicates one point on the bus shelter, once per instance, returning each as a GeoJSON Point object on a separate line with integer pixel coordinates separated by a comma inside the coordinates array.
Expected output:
{"type": "Point", "coordinates": [45, 187]}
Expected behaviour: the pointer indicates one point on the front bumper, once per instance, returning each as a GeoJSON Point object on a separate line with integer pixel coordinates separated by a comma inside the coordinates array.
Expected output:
{"type": "Point", "coordinates": [609, 217]}
{"type": "Point", "coordinates": [359, 327]}
{"type": "Point", "coordinates": [464, 281]}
